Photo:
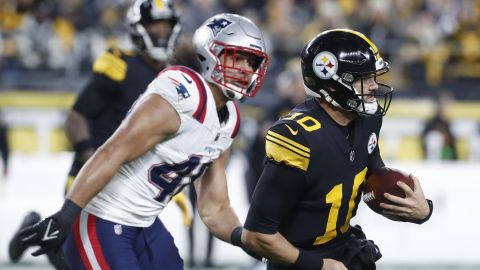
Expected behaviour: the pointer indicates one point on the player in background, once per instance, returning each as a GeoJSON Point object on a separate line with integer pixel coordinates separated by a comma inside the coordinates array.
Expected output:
{"type": "Point", "coordinates": [318, 158]}
{"type": "Point", "coordinates": [119, 77]}
{"type": "Point", "coordinates": [180, 130]}
{"type": "Point", "coordinates": [4, 147]}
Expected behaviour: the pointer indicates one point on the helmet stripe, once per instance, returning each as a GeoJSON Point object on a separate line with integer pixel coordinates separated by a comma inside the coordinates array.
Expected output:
{"type": "Point", "coordinates": [375, 50]}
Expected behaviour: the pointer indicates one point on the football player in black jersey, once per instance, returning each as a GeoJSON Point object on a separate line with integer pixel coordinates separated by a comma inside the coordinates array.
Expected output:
{"type": "Point", "coordinates": [318, 158]}
{"type": "Point", "coordinates": [118, 78]}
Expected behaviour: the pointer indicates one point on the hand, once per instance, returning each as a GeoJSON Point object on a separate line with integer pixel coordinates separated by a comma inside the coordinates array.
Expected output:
{"type": "Point", "coordinates": [413, 207]}
{"type": "Point", "coordinates": [49, 234]}
{"type": "Point", "coordinates": [331, 264]}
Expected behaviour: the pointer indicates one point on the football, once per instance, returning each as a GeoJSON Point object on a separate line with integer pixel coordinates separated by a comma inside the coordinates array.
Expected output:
{"type": "Point", "coordinates": [384, 180]}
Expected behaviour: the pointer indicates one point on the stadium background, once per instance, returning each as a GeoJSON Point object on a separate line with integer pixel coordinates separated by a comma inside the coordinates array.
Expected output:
{"type": "Point", "coordinates": [433, 46]}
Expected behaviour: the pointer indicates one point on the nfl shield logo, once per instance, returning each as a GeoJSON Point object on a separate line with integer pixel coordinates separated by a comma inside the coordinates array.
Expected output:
{"type": "Point", "coordinates": [117, 228]}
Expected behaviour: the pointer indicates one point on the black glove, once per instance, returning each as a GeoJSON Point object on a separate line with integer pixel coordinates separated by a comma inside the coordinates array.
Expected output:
{"type": "Point", "coordinates": [236, 240]}
{"type": "Point", "coordinates": [50, 233]}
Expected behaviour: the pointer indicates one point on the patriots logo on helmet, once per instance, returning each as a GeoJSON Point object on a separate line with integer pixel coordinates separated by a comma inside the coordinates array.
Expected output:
{"type": "Point", "coordinates": [218, 25]}
{"type": "Point", "coordinates": [181, 89]}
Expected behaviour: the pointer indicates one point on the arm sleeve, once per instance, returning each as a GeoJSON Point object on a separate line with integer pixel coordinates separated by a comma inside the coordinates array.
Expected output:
{"type": "Point", "coordinates": [277, 192]}
{"type": "Point", "coordinates": [96, 96]}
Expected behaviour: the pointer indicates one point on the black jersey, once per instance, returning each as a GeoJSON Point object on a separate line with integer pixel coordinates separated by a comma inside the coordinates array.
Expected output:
{"type": "Point", "coordinates": [325, 165]}
{"type": "Point", "coordinates": [119, 78]}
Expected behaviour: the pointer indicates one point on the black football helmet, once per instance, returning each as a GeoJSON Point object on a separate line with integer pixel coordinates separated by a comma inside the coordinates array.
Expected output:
{"type": "Point", "coordinates": [143, 12]}
{"type": "Point", "coordinates": [333, 60]}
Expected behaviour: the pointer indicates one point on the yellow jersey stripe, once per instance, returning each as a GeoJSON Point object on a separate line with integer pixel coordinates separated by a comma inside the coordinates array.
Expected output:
{"type": "Point", "coordinates": [288, 146]}
{"type": "Point", "coordinates": [112, 66]}
{"type": "Point", "coordinates": [288, 141]}
{"type": "Point", "coordinates": [282, 155]}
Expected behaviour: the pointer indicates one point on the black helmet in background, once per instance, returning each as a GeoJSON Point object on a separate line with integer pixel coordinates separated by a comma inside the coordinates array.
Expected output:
{"type": "Point", "coordinates": [145, 12]}
{"type": "Point", "coordinates": [336, 58]}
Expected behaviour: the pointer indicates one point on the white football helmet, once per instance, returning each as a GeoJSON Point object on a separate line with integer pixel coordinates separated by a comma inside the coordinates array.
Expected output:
{"type": "Point", "coordinates": [143, 12]}
{"type": "Point", "coordinates": [230, 34]}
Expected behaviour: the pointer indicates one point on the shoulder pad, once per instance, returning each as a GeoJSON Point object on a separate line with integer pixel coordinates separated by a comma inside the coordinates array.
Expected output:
{"type": "Point", "coordinates": [185, 89]}
{"type": "Point", "coordinates": [286, 144]}
{"type": "Point", "coordinates": [112, 65]}
{"type": "Point", "coordinates": [304, 121]}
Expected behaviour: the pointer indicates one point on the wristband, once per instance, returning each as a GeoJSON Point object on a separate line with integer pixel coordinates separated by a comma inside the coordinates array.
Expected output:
{"type": "Point", "coordinates": [236, 240]}
{"type": "Point", "coordinates": [430, 205]}
{"type": "Point", "coordinates": [69, 212]}
{"type": "Point", "coordinates": [236, 237]}
{"type": "Point", "coordinates": [307, 261]}
{"type": "Point", "coordinates": [83, 145]}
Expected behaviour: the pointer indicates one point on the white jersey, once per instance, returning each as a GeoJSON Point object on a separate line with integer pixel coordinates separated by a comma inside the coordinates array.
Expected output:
{"type": "Point", "coordinates": [141, 189]}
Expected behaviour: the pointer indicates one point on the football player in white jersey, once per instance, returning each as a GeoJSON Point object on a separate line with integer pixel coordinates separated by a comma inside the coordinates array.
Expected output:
{"type": "Point", "coordinates": [179, 130]}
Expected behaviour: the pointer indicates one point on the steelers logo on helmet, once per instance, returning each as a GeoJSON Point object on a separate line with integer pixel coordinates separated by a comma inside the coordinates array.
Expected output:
{"type": "Point", "coordinates": [325, 65]}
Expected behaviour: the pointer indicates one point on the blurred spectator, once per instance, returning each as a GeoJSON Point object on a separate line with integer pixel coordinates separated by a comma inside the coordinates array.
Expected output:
{"type": "Point", "coordinates": [427, 43]}
{"type": "Point", "coordinates": [4, 147]}
{"type": "Point", "coordinates": [438, 141]}
{"type": "Point", "coordinates": [284, 21]}
{"type": "Point", "coordinates": [197, 11]}
{"type": "Point", "coordinates": [45, 39]}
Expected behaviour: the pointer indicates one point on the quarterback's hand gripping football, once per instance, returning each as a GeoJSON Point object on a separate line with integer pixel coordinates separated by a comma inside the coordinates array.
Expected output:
{"type": "Point", "coordinates": [414, 207]}
{"type": "Point", "coordinates": [50, 233]}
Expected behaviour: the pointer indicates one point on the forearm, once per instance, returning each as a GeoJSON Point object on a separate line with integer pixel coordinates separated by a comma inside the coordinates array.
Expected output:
{"type": "Point", "coordinates": [94, 176]}
{"type": "Point", "coordinates": [78, 135]}
{"type": "Point", "coordinates": [220, 220]}
{"type": "Point", "coordinates": [273, 247]}
{"type": "Point", "coordinates": [76, 128]}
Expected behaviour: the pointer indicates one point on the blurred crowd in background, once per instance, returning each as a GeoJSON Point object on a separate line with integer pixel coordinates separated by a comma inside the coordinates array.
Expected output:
{"type": "Point", "coordinates": [431, 44]}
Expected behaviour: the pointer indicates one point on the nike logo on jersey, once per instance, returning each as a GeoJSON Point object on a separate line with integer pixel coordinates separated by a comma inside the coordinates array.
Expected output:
{"type": "Point", "coordinates": [49, 236]}
{"type": "Point", "coordinates": [187, 79]}
{"type": "Point", "coordinates": [294, 132]}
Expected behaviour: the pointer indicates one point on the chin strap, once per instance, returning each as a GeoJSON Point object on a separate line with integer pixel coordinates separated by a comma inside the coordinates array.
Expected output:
{"type": "Point", "coordinates": [232, 95]}
{"type": "Point", "coordinates": [367, 108]}
{"type": "Point", "coordinates": [370, 107]}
